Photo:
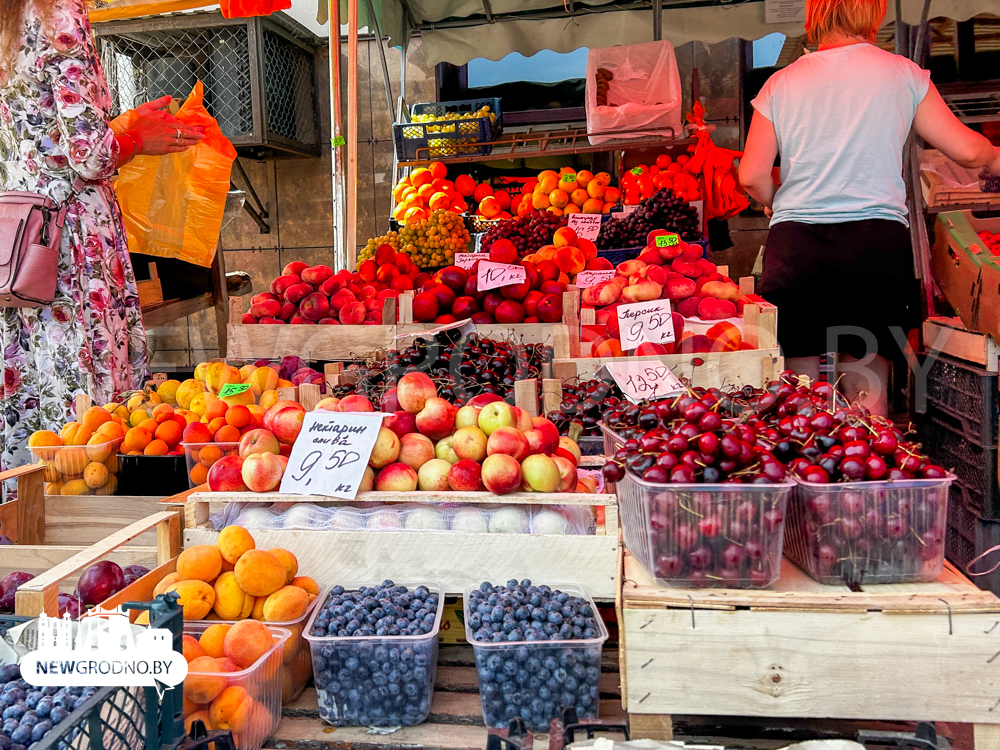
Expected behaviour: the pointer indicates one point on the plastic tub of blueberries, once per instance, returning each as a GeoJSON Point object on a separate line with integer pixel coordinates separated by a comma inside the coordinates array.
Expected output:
{"type": "Point", "coordinates": [869, 532]}
{"type": "Point", "coordinates": [364, 674]}
{"type": "Point", "coordinates": [535, 675]}
{"type": "Point", "coordinates": [723, 535]}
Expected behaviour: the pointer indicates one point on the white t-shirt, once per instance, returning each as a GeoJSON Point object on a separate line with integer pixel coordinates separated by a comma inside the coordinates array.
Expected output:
{"type": "Point", "coordinates": [842, 116]}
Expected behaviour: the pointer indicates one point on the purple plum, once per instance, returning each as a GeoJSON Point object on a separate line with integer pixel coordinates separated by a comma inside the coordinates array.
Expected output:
{"type": "Point", "coordinates": [134, 572]}
{"type": "Point", "coordinates": [8, 587]}
{"type": "Point", "coordinates": [99, 581]}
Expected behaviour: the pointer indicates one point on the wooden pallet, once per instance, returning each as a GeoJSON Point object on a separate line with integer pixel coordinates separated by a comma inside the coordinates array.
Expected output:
{"type": "Point", "coordinates": [453, 559]}
{"type": "Point", "coordinates": [455, 721]}
{"type": "Point", "coordinates": [903, 652]}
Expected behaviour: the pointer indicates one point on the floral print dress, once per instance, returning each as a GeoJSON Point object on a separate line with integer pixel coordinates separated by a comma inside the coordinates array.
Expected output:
{"type": "Point", "coordinates": [54, 132]}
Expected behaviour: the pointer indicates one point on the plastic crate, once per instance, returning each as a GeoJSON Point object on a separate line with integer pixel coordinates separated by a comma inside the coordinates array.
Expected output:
{"type": "Point", "coordinates": [152, 475]}
{"type": "Point", "coordinates": [113, 718]}
{"type": "Point", "coordinates": [974, 464]}
{"type": "Point", "coordinates": [968, 537]}
{"type": "Point", "coordinates": [620, 255]}
{"type": "Point", "coordinates": [667, 529]}
{"type": "Point", "coordinates": [440, 140]}
{"type": "Point", "coordinates": [199, 463]}
{"type": "Point", "coordinates": [80, 469]}
{"type": "Point", "coordinates": [967, 393]}
{"type": "Point", "coordinates": [612, 440]}
{"type": "Point", "coordinates": [869, 532]}
{"type": "Point", "coordinates": [260, 683]}
{"type": "Point", "coordinates": [505, 672]}
{"type": "Point", "coordinates": [339, 661]}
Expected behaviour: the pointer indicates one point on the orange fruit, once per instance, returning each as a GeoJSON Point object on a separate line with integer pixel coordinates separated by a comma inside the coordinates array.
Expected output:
{"type": "Point", "coordinates": [555, 211]}
{"type": "Point", "coordinates": [539, 200]}
{"type": "Point", "coordinates": [583, 177]}
{"type": "Point", "coordinates": [136, 439]}
{"type": "Point", "coordinates": [227, 434]}
{"type": "Point", "coordinates": [156, 448]}
{"type": "Point", "coordinates": [593, 206]}
{"type": "Point", "coordinates": [437, 170]}
{"type": "Point", "coordinates": [547, 181]}
{"type": "Point", "coordinates": [465, 185]}
{"type": "Point", "coordinates": [95, 416]}
{"type": "Point", "coordinates": [420, 176]}
{"type": "Point", "coordinates": [596, 188]}
{"type": "Point", "coordinates": [579, 197]}
{"type": "Point", "coordinates": [211, 640]}
{"type": "Point", "coordinates": [612, 195]}
{"type": "Point", "coordinates": [414, 214]}
{"type": "Point", "coordinates": [169, 432]}
{"type": "Point", "coordinates": [571, 208]}
{"type": "Point", "coordinates": [567, 182]}
{"type": "Point", "coordinates": [439, 201]}
{"type": "Point", "coordinates": [233, 541]}
{"type": "Point", "coordinates": [489, 207]}
{"type": "Point", "coordinates": [199, 474]}
{"type": "Point", "coordinates": [209, 454]}
{"type": "Point", "coordinates": [558, 197]}
{"type": "Point", "coordinates": [239, 416]}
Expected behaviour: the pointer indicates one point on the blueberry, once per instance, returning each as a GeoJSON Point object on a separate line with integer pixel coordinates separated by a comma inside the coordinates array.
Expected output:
{"type": "Point", "coordinates": [40, 730]}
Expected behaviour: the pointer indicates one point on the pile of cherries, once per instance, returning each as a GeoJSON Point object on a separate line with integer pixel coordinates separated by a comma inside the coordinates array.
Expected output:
{"type": "Point", "coordinates": [585, 404]}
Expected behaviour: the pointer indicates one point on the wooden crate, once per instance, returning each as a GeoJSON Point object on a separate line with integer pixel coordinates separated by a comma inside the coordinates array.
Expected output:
{"type": "Point", "coordinates": [903, 652]}
{"type": "Point", "coordinates": [453, 559]}
{"type": "Point", "coordinates": [556, 335]}
{"type": "Point", "coordinates": [949, 336]}
{"type": "Point", "coordinates": [59, 566]}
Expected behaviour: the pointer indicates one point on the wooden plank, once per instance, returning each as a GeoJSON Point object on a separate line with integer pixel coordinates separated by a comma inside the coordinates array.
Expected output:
{"type": "Point", "coordinates": [37, 559]}
{"type": "Point", "coordinates": [522, 333]}
{"type": "Point", "coordinates": [526, 395]}
{"type": "Point", "coordinates": [464, 680]}
{"type": "Point", "coordinates": [812, 664]}
{"type": "Point", "coordinates": [405, 316]}
{"type": "Point", "coordinates": [142, 589]}
{"type": "Point", "coordinates": [170, 311]}
{"type": "Point", "coordinates": [794, 589]}
{"type": "Point", "coordinates": [949, 336]}
{"type": "Point", "coordinates": [514, 498]}
{"type": "Point", "coordinates": [310, 394]}
{"type": "Point", "coordinates": [564, 371]}
{"type": "Point", "coordinates": [651, 727]}
{"type": "Point", "coordinates": [551, 394]}
{"type": "Point", "coordinates": [86, 519]}
{"type": "Point", "coordinates": [715, 369]}
{"type": "Point", "coordinates": [333, 556]}
{"type": "Point", "coordinates": [236, 310]}
{"type": "Point", "coordinates": [23, 520]}
{"type": "Point", "coordinates": [250, 342]}
{"type": "Point", "coordinates": [986, 736]}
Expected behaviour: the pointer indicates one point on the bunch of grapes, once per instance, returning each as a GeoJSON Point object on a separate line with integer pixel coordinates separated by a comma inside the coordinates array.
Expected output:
{"type": "Point", "coordinates": [662, 210]}
{"type": "Point", "coordinates": [529, 233]}
{"type": "Point", "coordinates": [391, 239]}
{"type": "Point", "coordinates": [433, 242]}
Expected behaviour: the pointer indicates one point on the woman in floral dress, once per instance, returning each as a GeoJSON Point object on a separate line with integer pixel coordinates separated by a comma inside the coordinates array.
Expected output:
{"type": "Point", "coordinates": [56, 139]}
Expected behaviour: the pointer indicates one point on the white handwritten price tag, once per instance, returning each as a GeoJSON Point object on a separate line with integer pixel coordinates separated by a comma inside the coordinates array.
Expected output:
{"type": "Point", "coordinates": [586, 226]}
{"type": "Point", "coordinates": [331, 453]}
{"type": "Point", "coordinates": [641, 380]}
{"type": "Point", "coordinates": [626, 210]}
{"type": "Point", "coordinates": [494, 275]}
{"type": "Point", "coordinates": [645, 321]}
{"type": "Point", "coordinates": [593, 278]}
{"type": "Point", "coordinates": [467, 260]}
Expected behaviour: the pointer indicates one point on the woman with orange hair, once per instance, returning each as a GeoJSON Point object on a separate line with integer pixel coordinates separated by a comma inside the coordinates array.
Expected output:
{"type": "Point", "coordinates": [838, 261]}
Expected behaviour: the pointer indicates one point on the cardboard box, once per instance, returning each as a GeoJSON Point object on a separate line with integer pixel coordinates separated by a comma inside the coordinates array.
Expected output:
{"type": "Point", "coordinates": [967, 272]}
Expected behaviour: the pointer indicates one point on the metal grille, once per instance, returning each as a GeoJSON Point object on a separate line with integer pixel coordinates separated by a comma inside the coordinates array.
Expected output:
{"type": "Point", "coordinates": [258, 82]}
{"type": "Point", "coordinates": [112, 719]}
{"type": "Point", "coordinates": [975, 107]}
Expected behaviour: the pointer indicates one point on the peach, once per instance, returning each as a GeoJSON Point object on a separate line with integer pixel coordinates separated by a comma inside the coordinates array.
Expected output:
{"type": "Point", "coordinates": [251, 723]}
{"type": "Point", "coordinates": [541, 473]}
{"type": "Point", "coordinates": [262, 472]}
{"type": "Point", "coordinates": [678, 288]}
{"type": "Point", "coordinates": [610, 347]}
{"type": "Point", "coordinates": [284, 419]}
{"type": "Point", "coordinates": [469, 442]}
{"type": "Point", "coordinates": [225, 706]}
{"type": "Point", "coordinates": [569, 450]}
{"type": "Point", "coordinates": [286, 604]}
{"type": "Point", "coordinates": [354, 402]}
{"type": "Point", "coordinates": [352, 314]}
{"type": "Point", "coordinates": [443, 449]}
{"type": "Point", "coordinates": [641, 291]}
{"type": "Point", "coordinates": [246, 642]}
{"type": "Point", "coordinates": [725, 337]}
{"type": "Point", "coordinates": [696, 344]}
{"type": "Point", "coordinates": [433, 476]}
{"type": "Point", "coordinates": [716, 309]}
{"type": "Point", "coordinates": [721, 290]}
{"type": "Point", "coordinates": [233, 541]}
{"type": "Point", "coordinates": [199, 563]}
{"type": "Point", "coordinates": [397, 477]}
{"type": "Point", "coordinates": [231, 601]}
{"type": "Point", "coordinates": [688, 307]}
{"type": "Point", "coordinates": [570, 260]}
{"type": "Point", "coordinates": [501, 474]}
{"type": "Point", "coordinates": [538, 442]}
{"type": "Point", "coordinates": [164, 583]}
{"type": "Point", "coordinates": [546, 427]}
{"type": "Point", "coordinates": [507, 440]}
{"type": "Point", "coordinates": [212, 638]}
{"type": "Point", "coordinates": [386, 449]}
{"type": "Point", "coordinates": [204, 681]}
{"type": "Point", "coordinates": [436, 419]}
{"type": "Point", "coordinates": [689, 268]}
{"type": "Point", "coordinates": [367, 483]}
{"type": "Point", "coordinates": [564, 236]}
{"type": "Point", "coordinates": [327, 404]}
{"type": "Point", "coordinates": [259, 573]}
{"type": "Point", "coordinates": [567, 474]}
{"type": "Point", "coordinates": [288, 560]}
{"type": "Point", "coordinates": [629, 267]}
{"type": "Point", "coordinates": [495, 415]}
{"type": "Point", "coordinates": [258, 608]}
{"type": "Point", "coordinates": [465, 476]}
{"type": "Point", "coordinates": [601, 294]}
{"type": "Point", "coordinates": [413, 390]}
{"type": "Point", "coordinates": [308, 584]}
{"type": "Point", "coordinates": [191, 648]}
{"type": "Point", "coordinates": [258, 441]}
{"type": "Point", "coordinates": [415, 450]}
{"type": "Point", "coordinates": [196, 598]}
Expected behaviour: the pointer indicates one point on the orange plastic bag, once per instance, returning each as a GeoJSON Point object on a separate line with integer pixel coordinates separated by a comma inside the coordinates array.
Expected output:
{"type": "Point", "coordinates": [724, 198]}
{"type": "Point", "coordinates": [173, 204]}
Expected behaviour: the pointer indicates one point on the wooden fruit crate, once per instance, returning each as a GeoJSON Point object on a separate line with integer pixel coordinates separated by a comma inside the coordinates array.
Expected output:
{"type": "Point", "coordinates": [451, 558]}
{"type": "Point", "coordinates": [950, 336]}
{"type": "Point", "coordinates": [252, 342]}
{"type": "Point", "coordinates": [903, 652]}
{"type": "Point", "coordinates": [59, 566]}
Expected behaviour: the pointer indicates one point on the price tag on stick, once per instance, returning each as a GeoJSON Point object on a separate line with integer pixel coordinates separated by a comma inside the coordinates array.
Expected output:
{"type": "Point", "coordinates": [643, 380]}
{"type": "Point", "coordinates": [494, 275]}
{"type": "Point", "coordinates": [330, 455]}
{"type": "Point", "coordinates": [586, 226]}
{"type": "Point", "coordinates": [642, 322]}
{"type": "Point", "coordinates": [593, 278]}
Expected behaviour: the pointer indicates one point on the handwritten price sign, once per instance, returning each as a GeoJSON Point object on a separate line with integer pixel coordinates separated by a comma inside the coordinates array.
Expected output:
{"type": "Point", "coordinates": [643, 322]}
{"type": "Point", "coordinates": [331, 453]}
{"type": "Point", "coordinates": [494, 275]}
{"type": "Point", "coordinates": [467, 260]}
{"type": "Point", "coordinates": [667, 240]}
{"type": "Point", "coordinates": [593, 278]}
{"type": "Point", "coordinates": [586, 226]}
{"type": "Point", "coordinates": [640, 380]}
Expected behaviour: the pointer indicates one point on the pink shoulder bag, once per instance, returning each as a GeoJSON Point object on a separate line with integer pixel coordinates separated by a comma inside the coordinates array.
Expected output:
{"type": "Point", "coordinates": [30, 231]}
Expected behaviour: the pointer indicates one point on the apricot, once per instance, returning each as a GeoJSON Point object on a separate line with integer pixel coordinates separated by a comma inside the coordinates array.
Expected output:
{"type": "Point", "coordinates": [53, 488]}
{"type": "Point", "coordinates": [251, 723]}
{"type": "Point", "coordinates": [258, 608]}
{"type": "Point", "coordinates": [246, 642]}
{"type": "Point", "coordinates": [75, 433]}
{"type": "Point", "coordinates": [201, 716]}
{"type": "Point", "coordinates": [225, 705]}
{"type": "Point", "coordinates": [233, 541]}
{"type": "Point", "coordinates": [71, 460]}
{"type": "Point", "coordinates": [259, 573]}
{"type": "Point", "coordinates": [203, 562]}
{"type": "Point", "coordinates": [307, 583]}
{"type": "Point", "coordinates": [169, 432]}
{"type": "Point", "coordinates": [192, 649]}
{"type": "Point", "coordinates": [211, 640]}
{"type": "Point", "coordinates": [209, 454]}
{"type": "Point", "coordinates": [286, 604]}
{"type": "Point", "coordinates": [199, 474]}
{"type": "Point", "coordinates": [136, 439]}
{"type": "Point", "coordinates": [100, 447]}
{"type": "Point", "coordinates": [203, 683]}
{"type": "Point", "coordinates": [95, 416]}
{"type": "Point", "coordinates": [95, 475]}
{"type": "Point", "coordinates": [44, 438]}
{"type": "Point", "coordinates": [196, 597]}
{"type": "Point", "coordinates": [227, 434]}
{"type": "Point", "coordinates": [290, 648]}
{"type": "Point", "coordinates": [231, 601]}
{"type": "Point", "coordinates": [288, 560]}
{"type": "Point", "coordinates": [156, 448]}
{"type": "Point", "coordinates": [190, 706]}
{"type": "Point", "coordinates": [164, 583]}
{"type": "Point", "coordinates": [228, 666]}
{"type": "Point", "coordinates": [75, 487]}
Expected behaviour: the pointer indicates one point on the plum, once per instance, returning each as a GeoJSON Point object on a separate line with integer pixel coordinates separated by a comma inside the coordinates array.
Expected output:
{"type": "Point", "coordinates": [99, 581]}
{"type": "Point", "coordinates": [134, 572]}
{"type": "Point", "coordinates": [72, 604]}
{"type": "Point", "coordinates": [8, 587]}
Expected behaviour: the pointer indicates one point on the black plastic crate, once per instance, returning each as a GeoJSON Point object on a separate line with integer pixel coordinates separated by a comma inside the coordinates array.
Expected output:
{"type": "Point", "coordinates": [967, 393]}
{"type": "Point", "coordinates": [448, 138]}
{"type": "Point", "coordinates": [968, 537]}
{"type": "Point", "coordinates": [974, 464]}
{"type": "Point", "coordinates": [152, 475]}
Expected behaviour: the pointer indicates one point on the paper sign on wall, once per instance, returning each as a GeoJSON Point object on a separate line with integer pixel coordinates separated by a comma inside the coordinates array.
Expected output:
{"type": "Point", "coordinates": [640, 380]}
{"type": "Point", "coordinates": [593, 278]}
{"type": "Point", "coordinates": [586, 226]}
{"type": "Point", "coordinates": [642, 322]}
{"type": "Point", "coordinates": [331, 453]}
{"type": "Point", "coordinates": [468, 260]}
{"type": "Point", "coordinates": [784, 11]}
{"type": "Point", "coordinates": [494, 275]}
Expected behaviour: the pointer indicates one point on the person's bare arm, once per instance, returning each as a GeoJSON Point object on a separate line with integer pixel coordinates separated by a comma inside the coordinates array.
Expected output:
{"type": "Point", "coordinates": [758, 159]}
{"type": "Point", "coordinates": [937, 124]}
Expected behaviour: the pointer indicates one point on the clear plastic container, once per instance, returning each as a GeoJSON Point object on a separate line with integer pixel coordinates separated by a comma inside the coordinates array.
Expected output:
{"type": "Point", "coordinates": [524, 678]}
{"type": "Point", "coordinates": [80, 469]}
{"type": "Point", "coordinates": [247, 701]}
{"type": "Point", "coordinates": [342, 667]}
{"type": "Point", "coordinates": [296, 662]}
{"type": "Point", "coordinates": [612, 440]}
{"type": "Point", "coordinates": [717, 535]}
{"type": "Point", "coordinates": [869, 532]}
{"type": "Point", "coordinates": [201, 456]}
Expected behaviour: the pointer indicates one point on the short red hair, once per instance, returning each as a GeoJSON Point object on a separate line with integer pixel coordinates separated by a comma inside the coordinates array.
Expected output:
{"type": "Point", "coordinates": [860, 18]}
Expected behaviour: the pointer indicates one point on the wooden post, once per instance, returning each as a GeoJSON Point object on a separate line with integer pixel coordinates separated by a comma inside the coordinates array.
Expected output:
{"type": "Point", "coordinates": [571, 318]}
{"type": "Point", "coordinates": [389, 311]}
{"type": "Point", "coordinates": [562, 341]}
{"type": "Point", "coordinates": [288, 394]}
{"type": "Point", "coordinates": [563, 371]}
{"type": "Point", "coordinates": [220, 295]}
{"type": "Point", "coordinates": [309, 395]}
{"type": "Point", "coordinates": [724, 270]}
{"type": "Point", "coordinates": [82, 402]}
{"type": "Point", "coordinates": [588, 317]}
{"type": "Point", "coordinates": [168, 539]}
{"type": "Point", "coordinates": [767, 328]}
{"type": "Point", "coordinates": [23, 521]}
{"type": "Point", "coordinates": [332, 372]}
{"type": "Point", "coordinates": [235, 311]}
{"type": "Point", "coordinates": [341, 253]}
{"type": "Point", "coordinates": [746, 285]}
{"type": "Point", "coordinates": [405, 308]}
{"type": "Point", "coordinates": [526, 395]}
{"type": "Point", "coordinates": [751, 325]}
{"type": "Point", "coordinates": [551, 394]}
